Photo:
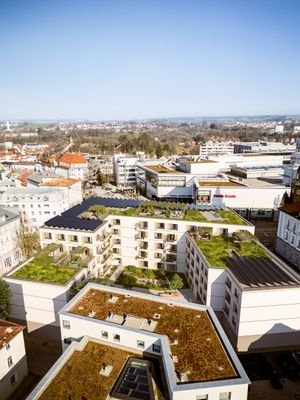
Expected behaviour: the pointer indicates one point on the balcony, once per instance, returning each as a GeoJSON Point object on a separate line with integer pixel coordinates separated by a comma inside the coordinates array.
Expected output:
{"type": "Point", "coordinates": [143, 225]}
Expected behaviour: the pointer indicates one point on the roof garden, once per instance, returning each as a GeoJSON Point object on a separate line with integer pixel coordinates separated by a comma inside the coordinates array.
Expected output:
{"type": "Point", "coordinates": [195, 344]}
{"type": "Point", "coordinates": [166, 210]}
{"type": "Point", "coordinates": [80, 377]}
{"type": "Point", "coordinates": [161, 169]}
{"type": "Point", "coordinates": [51, 266]}
{"type": "Point", "coordinates": [218, 249]}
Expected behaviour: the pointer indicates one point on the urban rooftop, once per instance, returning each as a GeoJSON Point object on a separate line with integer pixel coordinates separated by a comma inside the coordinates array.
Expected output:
{"type": "Point", "coordinates": [197, 350]}
{"type": "Point", "coordinates": [51, 266]}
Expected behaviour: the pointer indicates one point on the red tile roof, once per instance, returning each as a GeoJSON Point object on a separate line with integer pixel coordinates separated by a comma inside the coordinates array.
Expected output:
{"type": "Point", "coordinates": [72, 158]}
{"type": "Point", "coordinates": [291, 208]}
{"type": "Point", "coordinates": [23, 177]}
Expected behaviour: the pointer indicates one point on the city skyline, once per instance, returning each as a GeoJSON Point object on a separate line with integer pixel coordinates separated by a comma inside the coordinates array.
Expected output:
{"type": "Point", "coordinates": [128, 60]}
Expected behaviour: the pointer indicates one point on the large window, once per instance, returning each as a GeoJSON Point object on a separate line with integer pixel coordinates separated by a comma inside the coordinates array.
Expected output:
{"type": "Point", "coordinates": [225, 396]}
{"type": "Point", "coordinates": [66, 324]}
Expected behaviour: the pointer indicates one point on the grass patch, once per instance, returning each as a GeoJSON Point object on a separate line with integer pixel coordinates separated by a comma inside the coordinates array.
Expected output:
{"type": "Point", "coordinates": [229, 218]}
{"type": "Point", "coordinates": [43, 270]}
{"type": "Point", "coordinates": [195, 215]}
{"type": "Point", "coordinates": [216, 250]}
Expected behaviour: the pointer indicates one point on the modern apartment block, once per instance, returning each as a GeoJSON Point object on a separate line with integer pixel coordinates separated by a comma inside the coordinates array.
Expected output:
{"type": "Point", "coordinates": [256, 295]}
{"type": "Point", "coordinates": [131, 232]}
{"type": "Point", "coordinates": [125, 170]}
{"type": "Point", "coordinates": [152, 338]}
{"type": "Point", "coordinates": [13, 361]}
{"type": "Point", "coordinates": [10, 254]}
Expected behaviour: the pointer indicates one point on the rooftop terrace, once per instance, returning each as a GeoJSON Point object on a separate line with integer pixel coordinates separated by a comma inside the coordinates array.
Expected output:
{"type": "Point", "coordinates": [199, 350]}
{"type": "Point", "coordinates": [49, 267]}
{"type": "Point", "coordinates": [219, 183]}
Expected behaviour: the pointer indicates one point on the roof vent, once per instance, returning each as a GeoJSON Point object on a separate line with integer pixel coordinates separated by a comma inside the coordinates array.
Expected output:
{"type": "Point", "coordinates": [112, 299]}
{"type": "Point", "coordinates": [9, 330]}
{"type": "Point", "coordinates": [156, 316]}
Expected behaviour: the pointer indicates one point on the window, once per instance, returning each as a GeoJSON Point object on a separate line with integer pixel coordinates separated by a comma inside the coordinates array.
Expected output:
{"type": "Point", "coordinates": [225, 396]}
{"type": "Point", "coordinates": [234, 321]}
{"type": "Point", "coordinates": [156, 348]}
{"type": "Point", "coordinates": [227, 297]}
{"type": "Point", "coordinates": [7, 346]}
{"type": "Point", "coordinates": [116, 337]}
{"type": "Point", "coordinates": [66, 324]}
{"type": "Point", "coordinates": [141, 344]}
{"type": "Point", "coordinates": [13, 379]}
{"type": "Point", "coordinates": [10, 361]}
{"type": "Point", "coordinates": [228, 283]}
{"type": "Point", "coordinates": [202, 397]}
{"type": "Point", "coordinates": [67, 340]}
{"type": "Point", "coordinates": [236, 293]}
{"type": "Point", "coordinates": [104, 334]}
{"type": "Point", "coordinates": [235, 308]}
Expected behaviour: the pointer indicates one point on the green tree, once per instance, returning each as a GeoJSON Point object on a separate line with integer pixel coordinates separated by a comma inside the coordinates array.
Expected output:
{"type": "Point", "coordinates": [5, 295]}
{"type": "Point", "coordinates": [159, 151]}
{"type": "Point", "coordinates": [28, 242]}
{"type": "Point", "coordinates": [176, 282]}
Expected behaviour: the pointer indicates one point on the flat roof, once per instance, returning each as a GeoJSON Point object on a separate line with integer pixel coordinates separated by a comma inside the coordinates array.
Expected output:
{"type": "Point", "coordinates": [161, 169]}
{"type": "Point", "coordinates": [252, 265]}
{"type": "Point", "coordinates": [8, 330]}
{"type": "Point", "coordinates": [7, 216]}
{"type": "Point", "coordinates": [79, 376]}
{"type": "Point", "coordinates": [219, 183]}
{"type": "Point", "coordinates": [61, 182]}
{"type": "Point", "coordinates": [199, 348]}
{"type": "Point", "coordinates": [71, 219]}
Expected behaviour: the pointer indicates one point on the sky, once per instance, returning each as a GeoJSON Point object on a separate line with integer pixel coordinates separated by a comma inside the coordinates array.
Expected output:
{"type": "Point", "coordinates": [135, 59]}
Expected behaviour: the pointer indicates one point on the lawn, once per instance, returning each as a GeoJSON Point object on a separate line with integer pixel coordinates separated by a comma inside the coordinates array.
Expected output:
{"type": "Point", "coordinates": [216, 250]}
{"type": "Point", "coordinates": [194, 215]}
{"type": "Point", "coordinates": [43, 270]}
{"type": "Point", "coordinates": [229, 218]}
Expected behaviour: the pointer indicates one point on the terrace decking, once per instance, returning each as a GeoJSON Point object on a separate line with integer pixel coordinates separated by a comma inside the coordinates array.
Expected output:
{"type": "Point", "coordinates": [198, 349]}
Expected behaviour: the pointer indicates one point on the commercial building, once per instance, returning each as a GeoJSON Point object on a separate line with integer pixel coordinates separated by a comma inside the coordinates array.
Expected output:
{"type": "Point", "coordinates": [153, 339]}
{"type": "Point", "coordinates": [264, 147]}
{"type": "Point", "coordinates": [125, 169]}
{"type": "Point", "coordinates": [13, 361]}
{"type": "Point", "coordinates": [10, 254]}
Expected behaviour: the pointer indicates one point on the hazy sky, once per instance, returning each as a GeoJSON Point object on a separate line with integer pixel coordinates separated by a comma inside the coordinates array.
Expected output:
{"type": "Point", "coordinates": [136, 59]}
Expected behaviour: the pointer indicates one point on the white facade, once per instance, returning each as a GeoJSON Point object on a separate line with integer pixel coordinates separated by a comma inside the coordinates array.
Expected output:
{"type": "Point", "coordinates": [13, 362]}
{"type": "Point", "coordinates": [74, 327]}
{"type": "Point", "coordinates": [37, 303]}
{"type": "Point", "coordinates": [142, 241]}
{"type": "Point", "coordinates": [254, 318]}
{"type": "Point", "coordinates": [125, 170]}
{"type": "Point", "coordinates": [10, 254]}
{"type": "Point", "coordinates": [37, 205]}
{"type": "Point", "coordinates": [215, 148]}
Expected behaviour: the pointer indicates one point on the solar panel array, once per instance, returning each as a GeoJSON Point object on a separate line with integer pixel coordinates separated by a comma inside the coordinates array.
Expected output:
{"type": "Point", "coordinates": [70, 218]}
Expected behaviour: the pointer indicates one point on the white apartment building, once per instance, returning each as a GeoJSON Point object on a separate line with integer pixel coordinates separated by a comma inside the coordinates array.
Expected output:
{"type": "Point", "coordinates": [37, 205]}
{"type": "Point", "coordinates": [145, 239]}
{"type": "Point", "coordinates": [13, 362]}
{"type": "Point", "coordinates": [10, 254]}
{"type": "Point", "coordinates": [264, 147]}
{"type": "Point", "coordinates": [256, 295]}
{"type": "Point", "coordinates": [116, 321]}
{"type": "Point", "coordinates": [125, 170]}
{"type": "Point", "coordinates": [213, 148]}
